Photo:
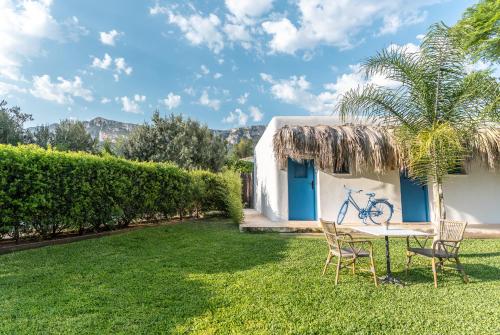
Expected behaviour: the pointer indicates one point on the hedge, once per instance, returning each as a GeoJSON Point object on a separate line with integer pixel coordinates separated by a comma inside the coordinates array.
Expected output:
{"type": "Point", "coordinates": [44, 192]}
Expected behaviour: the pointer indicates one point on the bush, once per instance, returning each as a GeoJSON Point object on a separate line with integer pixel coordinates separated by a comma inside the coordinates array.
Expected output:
{"type": "Point", "coordinates": [44, 192]}
{"type": "Point", "coordinates": [218, 192]}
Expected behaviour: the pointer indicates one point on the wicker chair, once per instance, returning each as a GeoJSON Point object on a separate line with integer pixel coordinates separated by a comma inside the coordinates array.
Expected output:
{"type": "Point", "coordinates": [346, 249]}
{"type": "Point", "coordinates": [445, 247]}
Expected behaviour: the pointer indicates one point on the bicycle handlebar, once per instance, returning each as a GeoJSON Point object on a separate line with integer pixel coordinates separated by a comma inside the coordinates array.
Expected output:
{"type": "Point", "coordinates": [352, 189]}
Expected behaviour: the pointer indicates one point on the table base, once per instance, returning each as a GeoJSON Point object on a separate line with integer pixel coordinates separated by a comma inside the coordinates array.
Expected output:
{"type": "Point", "coordinates": [389, 279]}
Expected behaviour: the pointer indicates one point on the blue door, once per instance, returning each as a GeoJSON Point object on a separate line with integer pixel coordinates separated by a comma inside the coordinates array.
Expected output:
{"type": "Point", "coordinates": [414, 200]}
{"type": "Point", "coordinates": [301, 190]}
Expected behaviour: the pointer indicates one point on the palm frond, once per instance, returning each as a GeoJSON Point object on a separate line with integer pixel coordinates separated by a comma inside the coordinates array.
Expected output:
{"type": "Point", "coordinates": [388, 106]}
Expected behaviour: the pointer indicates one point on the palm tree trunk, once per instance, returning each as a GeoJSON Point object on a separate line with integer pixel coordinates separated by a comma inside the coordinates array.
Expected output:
{"type": "Point", "coordinates": [439, 209]}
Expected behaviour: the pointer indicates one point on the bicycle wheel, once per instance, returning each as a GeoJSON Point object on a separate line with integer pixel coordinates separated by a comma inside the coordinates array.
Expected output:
{"type": "Point", "coordinates": [343, 210]}
{"type": "Point", "coordinates": [380, 211]}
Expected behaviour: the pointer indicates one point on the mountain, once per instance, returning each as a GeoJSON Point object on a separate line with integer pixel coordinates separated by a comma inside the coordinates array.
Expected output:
{"type": "Point", "coordinates": [234, 135]}
{"type": "Point", "coordinates": [104, 129]}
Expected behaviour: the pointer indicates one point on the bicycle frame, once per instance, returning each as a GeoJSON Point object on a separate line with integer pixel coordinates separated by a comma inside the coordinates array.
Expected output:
{"type": "Point", "coordinates": [362, 212]}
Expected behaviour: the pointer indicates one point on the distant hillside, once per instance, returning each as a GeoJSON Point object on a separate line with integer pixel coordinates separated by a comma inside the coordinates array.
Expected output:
{"type": "Point", "coordinates": [104, 129]}
{"type": "Point", "coordinates": [234, 135]}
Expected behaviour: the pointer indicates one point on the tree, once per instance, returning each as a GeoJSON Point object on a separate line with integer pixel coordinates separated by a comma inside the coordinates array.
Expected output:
{"type": "Point", "coordinates": [478, 32]}
{"type": "Point", "coordinates": [12, 121]}
{"type": "Point", "coordinates": [41, 136]}
{"type": "Point", "coordinates": [436, 111]}
{"type": "Point", "coordinates": [244, 148]}
{"type": "Point", "coordinates": [71, 136]}
{"type": "Point", "coordinates": [184, 142]}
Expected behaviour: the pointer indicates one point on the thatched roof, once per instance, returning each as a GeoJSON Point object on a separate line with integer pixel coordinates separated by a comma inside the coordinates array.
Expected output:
{"type": "Point", "coordinates": [362, 147]}
{"type": "Point", "coordinates": [486, 146]}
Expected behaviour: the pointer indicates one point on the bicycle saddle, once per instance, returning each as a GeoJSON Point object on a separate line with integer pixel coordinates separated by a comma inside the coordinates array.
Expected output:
{"type": "Point", "coordinates": [370, 194]}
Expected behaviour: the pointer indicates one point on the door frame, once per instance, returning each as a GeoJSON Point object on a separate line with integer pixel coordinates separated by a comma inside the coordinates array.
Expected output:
{"type": "Point", "coordinates": [315, 189]}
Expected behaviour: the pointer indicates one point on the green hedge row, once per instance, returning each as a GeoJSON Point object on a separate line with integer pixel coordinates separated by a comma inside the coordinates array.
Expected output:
{"type": "Point", "coordinates": [45, 192]}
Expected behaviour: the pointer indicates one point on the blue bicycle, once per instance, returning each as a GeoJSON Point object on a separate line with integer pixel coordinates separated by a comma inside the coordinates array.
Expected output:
{"type": "Point", "coordinates": [378, 210]}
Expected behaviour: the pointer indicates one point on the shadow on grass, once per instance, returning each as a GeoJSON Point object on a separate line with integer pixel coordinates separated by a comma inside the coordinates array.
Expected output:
{"type": "Point", "coordinates": [483, 254]}
{"type": "Point", "coordinates": [150, 281]}
{"type": "Point", "coordinates": [475, 272]}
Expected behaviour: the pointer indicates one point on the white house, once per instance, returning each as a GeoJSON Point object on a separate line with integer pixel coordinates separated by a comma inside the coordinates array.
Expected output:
{"type": "Point", "coordinates": [303, 190]}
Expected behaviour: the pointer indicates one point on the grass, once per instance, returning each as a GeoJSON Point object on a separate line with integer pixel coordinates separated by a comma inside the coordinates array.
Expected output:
{"type": "Point", "coordinates": [207, 278]}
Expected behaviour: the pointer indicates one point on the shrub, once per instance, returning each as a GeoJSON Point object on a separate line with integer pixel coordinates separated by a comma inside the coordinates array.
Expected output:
{"type": "Point", "coordinates": [233, 204]}
{"type": "Point", "coordinates": [44, 192]}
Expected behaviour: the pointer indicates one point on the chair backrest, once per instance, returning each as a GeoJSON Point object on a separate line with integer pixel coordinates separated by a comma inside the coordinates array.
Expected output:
{"type": "Point", "coordinates": [330, 231]}
{"type": "Point", "coordinates": [453, 233]}
{"type": "Point", "coordinates": [451, 230]}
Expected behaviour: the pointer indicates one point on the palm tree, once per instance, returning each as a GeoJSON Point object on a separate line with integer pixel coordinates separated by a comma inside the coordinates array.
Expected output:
{"type": "Point", "coordinates": [438, 111]}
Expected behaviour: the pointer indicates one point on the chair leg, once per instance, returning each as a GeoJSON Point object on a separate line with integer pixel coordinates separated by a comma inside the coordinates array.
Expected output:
{"type": "Point", "coordinates": [441, 264]}
{"type": "Point", "coordinates": [338, 271]}
{"type": "Point", "coordinates": [328, 260]}
{"type": "Point", "coordinates": [354, 266]}
{"type": "Point", "coordinates": [434, 272]}
{"type": "Point", "coordinates": [408, 262]}
{"type": "Point", "coordinates": [460, 268]}
{"type": "Point", "coordinates": [373, 270]}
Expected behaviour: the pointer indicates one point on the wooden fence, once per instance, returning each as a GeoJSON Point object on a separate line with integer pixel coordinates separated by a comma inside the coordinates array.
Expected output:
{"type": "Point", "coordinates": [247, 189]}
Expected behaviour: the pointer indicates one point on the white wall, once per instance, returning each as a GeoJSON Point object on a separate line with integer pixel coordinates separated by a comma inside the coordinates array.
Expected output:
{"type": "Point", "coordinates": [474, 197]}
{"type": "Point", "coordinates": [331, 193]}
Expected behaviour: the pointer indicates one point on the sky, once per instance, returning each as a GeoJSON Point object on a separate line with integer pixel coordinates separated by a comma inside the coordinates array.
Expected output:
{"type": "Point", "coordinates": [225, 63]}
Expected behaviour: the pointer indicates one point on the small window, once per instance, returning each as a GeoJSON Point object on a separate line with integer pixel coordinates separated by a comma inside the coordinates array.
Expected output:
{"type": "Point", "coordinates": [344, 169]}
{"type": "Point", "coordinates": [459, 170]}
{"type": "Point", "coordinates": [300, 170]}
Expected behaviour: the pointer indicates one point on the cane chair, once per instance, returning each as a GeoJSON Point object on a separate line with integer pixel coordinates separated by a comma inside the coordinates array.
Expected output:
{"type": "Point", "coordinates": [347, 250]}
{"type": "Point", "coordinates": [444, 248]}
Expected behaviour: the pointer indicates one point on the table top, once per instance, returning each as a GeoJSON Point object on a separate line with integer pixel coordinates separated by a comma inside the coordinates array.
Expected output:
{"type": "Point", "coordinates": [395, 232]}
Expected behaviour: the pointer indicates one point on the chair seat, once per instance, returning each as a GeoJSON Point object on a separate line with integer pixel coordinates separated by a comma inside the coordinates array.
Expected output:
{"type": "Point", "coordinates": [348, 252]}
{"type": "Point", "coordinates": [427, 252]}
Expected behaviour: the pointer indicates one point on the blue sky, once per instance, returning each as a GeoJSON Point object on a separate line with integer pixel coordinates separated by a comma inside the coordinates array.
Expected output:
{"type": "Point", "coordinates": [226, 63]}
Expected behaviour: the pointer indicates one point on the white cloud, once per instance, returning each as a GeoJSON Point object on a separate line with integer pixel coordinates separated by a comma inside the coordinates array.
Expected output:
{"type": "Point", "coordinates": [244, 98]}
{"type": "Point", "coordinates": [172, 101]}
{"type": "Point", "coordinates": [139, 98]}
{"type": "Point", "coordinates": [131, 105]}
{"type": "Point", "coordinates": [22, 28]}
{"type": "Point", "coordinates": [190, 91]}
{"type": "Point", "coordinates": [109, 38]}
{"type": "Point", "coordinates": [393, 22]}
{"type": "Point", "coordinates": [249, 8]}
{"type": "Point", "coordinates": [24, 25]}
{"type": "Point", "coordinates": [217, 75]}
{"type": "Point", "coordinates": [62, 92]}
{"type": "Point", "coordinates": [120, 65]}
{"type": "Point", "coordinates": [236, 117]}
{"type": "Point", "coordinates": [238, 33]}
{"type": "Point", "coordinates": [6, 88]}
{"type": "Point", "coordinates": [256, 114]}
{"type": "Point", "coordinates": [206, 101]}
{"type": "Point", "coordinates": [103, 63]}
{"type": "Point", "coordinates": [408, 47]}
{"type": "Point", "coordinates": [298, 91]}
{"type": "Point", "coordinates": [198, 30]}
{"type": "Point", "coordinates": [105, 101]}
{"type": "Point", "coordinates": [338, 23]}
{"type": "Point", "coordinates": [205, 70]}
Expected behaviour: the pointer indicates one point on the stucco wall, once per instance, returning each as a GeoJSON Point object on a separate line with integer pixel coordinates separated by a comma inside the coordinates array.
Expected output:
{"type": "Point", "coordinates": [331, 193]}
{"type": "Point", "coordinates": [474, 197]}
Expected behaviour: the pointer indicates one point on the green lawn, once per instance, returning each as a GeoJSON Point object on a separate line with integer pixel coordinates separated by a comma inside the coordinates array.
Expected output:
{"type": "Point", "coordinates": [208, 278]}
